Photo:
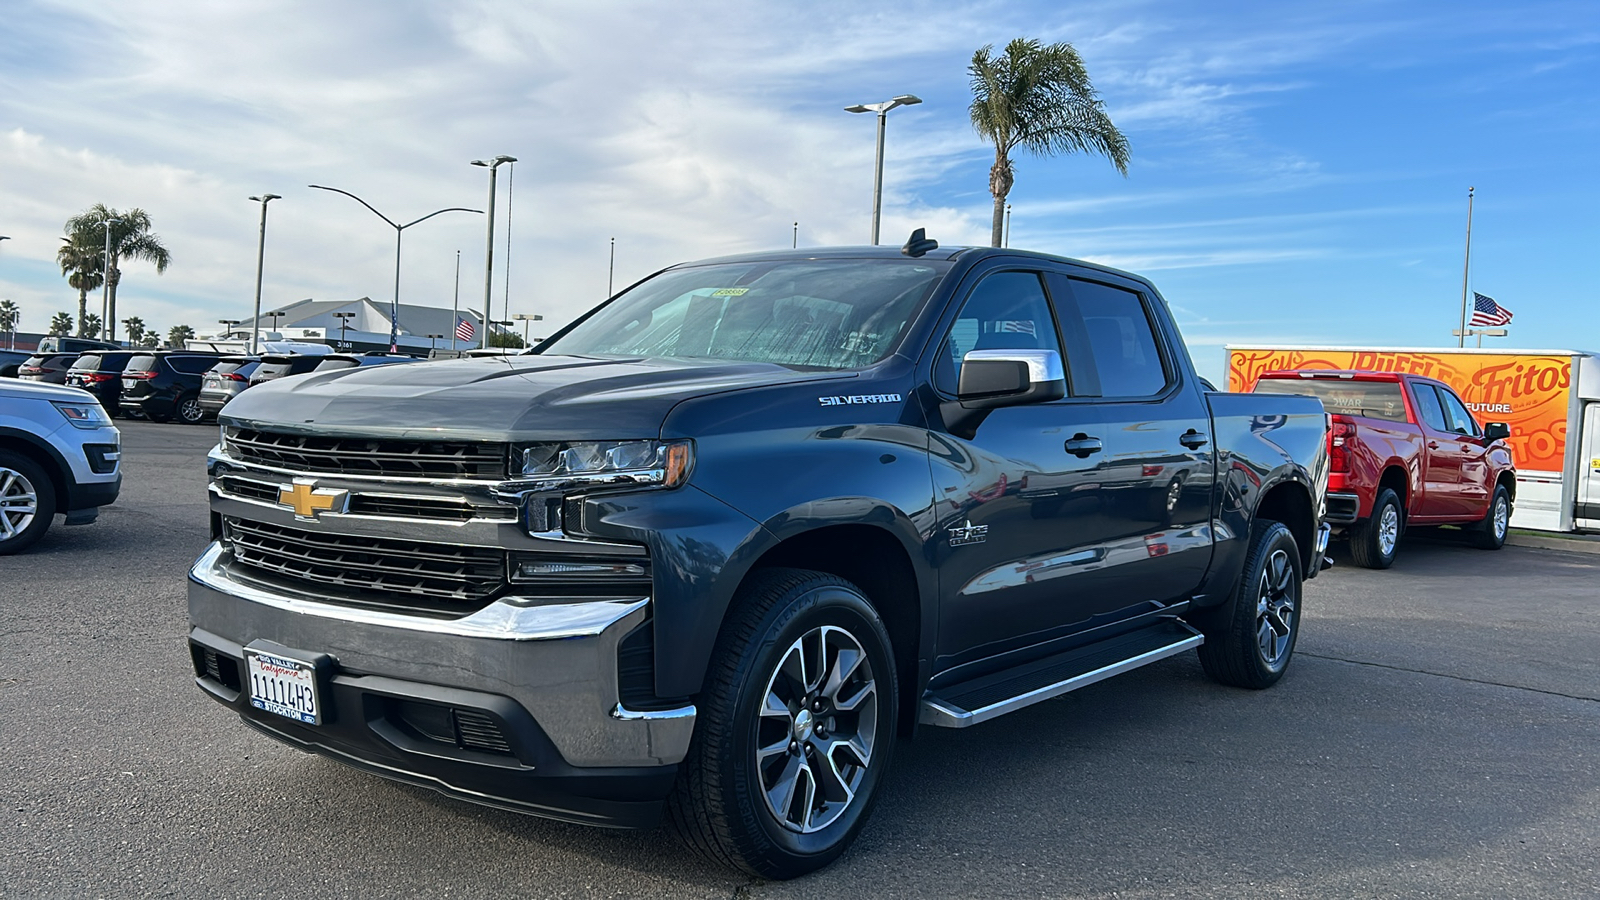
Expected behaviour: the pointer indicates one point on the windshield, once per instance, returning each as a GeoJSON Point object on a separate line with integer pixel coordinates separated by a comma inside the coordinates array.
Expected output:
{"type": "Point", "coordinates": [819, 313]}
{"type": "Point", "coordinates": [1373, 399]}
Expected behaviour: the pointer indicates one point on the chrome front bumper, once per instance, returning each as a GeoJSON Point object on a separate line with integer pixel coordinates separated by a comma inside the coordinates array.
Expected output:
{"type": "Point", "coordinates": [558, 662]}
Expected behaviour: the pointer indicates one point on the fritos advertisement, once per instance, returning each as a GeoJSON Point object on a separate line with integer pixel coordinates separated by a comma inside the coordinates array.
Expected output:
{"type": "Point", "coordinates": [1527, 392]}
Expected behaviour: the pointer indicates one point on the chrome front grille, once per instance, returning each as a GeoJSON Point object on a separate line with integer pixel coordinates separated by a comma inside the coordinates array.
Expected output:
{"type": "Point", "coordinates": [364, 456]}
{"type": "Point", "coordinates": [398, 506]}
{"type": "Point", "coordinates": [435, 579]}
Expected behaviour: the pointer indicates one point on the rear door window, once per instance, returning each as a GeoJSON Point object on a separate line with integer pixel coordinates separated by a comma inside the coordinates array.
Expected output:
{"type": "Point", "coordinates": [88, 362]}
{"type": "Point", "coordinates": [191, 365]}
{"type": "Point", "coordinates": [1121, 338]}
{"type": "Point", "coordinates": [142, 363]}
{"type": "Point", "coordinates": [1428, 407]}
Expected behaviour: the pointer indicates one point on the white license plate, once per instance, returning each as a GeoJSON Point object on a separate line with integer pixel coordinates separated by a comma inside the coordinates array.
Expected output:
{"type": "Point", "coordinates": [282, 686]}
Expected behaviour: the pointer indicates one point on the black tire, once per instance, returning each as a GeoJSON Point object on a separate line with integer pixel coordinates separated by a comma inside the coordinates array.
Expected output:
{"type": "Point", "coordinates": [720, 805]}
{"type": "Point", "coordinates": [1374, 542]}
{"type": "Point", "coordinates": [188, 409]}
{"type": "Point", "coordinates": [21, 477]}
{"type": "Point", "coordinates": [1491, 533]}
{"type": "Point", "coordinates": [1268, 596]}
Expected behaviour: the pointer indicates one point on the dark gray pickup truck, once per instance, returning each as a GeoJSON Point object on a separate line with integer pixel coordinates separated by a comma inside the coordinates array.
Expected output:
{"type": "Point", "coordinates": [714, 547]}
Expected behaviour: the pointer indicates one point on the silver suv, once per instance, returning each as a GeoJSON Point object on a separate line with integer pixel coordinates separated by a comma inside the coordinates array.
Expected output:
{"type": "Point", "coordinates": [59, 453]}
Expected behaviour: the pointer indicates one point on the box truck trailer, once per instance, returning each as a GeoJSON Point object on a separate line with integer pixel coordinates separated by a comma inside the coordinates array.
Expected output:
{"type": "Point", "coordinates": [1550, 398]}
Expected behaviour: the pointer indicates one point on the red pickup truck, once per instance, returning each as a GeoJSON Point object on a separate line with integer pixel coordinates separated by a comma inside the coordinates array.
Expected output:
{"type": "Point", "coordinates": [1404, 450]}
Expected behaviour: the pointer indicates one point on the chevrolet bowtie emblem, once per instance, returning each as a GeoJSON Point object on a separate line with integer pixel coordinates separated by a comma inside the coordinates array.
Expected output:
{"type": "Point", "coordinates": [306, 499]}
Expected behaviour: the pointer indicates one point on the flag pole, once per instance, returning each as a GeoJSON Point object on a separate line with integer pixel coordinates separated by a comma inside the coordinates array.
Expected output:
{"type": "Point", "coordinates": [455, 309]}
{"type": "Point", "coordinates": [1466, 266]}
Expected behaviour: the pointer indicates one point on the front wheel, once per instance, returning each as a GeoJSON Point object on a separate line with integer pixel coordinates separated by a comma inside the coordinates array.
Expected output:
{"type": "Point", "coordinates": [27, 502]}
{"type": "Point", "coordinates": [1250, 638]}
{"type": "Point", "coordinates": [1491, 532]}
{"type": "Point", "coordinates": [189, 410]}
{"type": "Point", "coordinates": [796, 727]}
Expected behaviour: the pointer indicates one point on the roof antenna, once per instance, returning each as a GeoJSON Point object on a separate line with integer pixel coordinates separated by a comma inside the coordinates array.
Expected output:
{"type": "Point", "coordinates": [919, 244]}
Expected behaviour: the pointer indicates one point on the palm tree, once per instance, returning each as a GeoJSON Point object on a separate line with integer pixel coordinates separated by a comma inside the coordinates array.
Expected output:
{"type": "Point", "coordinates": [130, 239]}
{"type": "Point", "coordinates": [81, 258]}
{"type": "Point", "coordinates": [177, 334]}
{"type": "Point", "coordinates": [89, 326]}
{"type": "Point", "coordinates": [1039, 98]}
{"type": "Point", "coordinates": [10, 316]}
{"type": "Point", "coordinates": [61, 324]}
{"type": "Point", "coordinates": [133, 327]}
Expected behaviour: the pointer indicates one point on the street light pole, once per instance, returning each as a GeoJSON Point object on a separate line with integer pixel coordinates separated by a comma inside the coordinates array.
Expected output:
{"type": "Point", "coordinates": [261, 257]}
{"type": "Point", "coordinates": [344, 325]}
{"type": "Point", "coordinates": [795, 243]}
{"type": "Point", "coordinates": [105, 272]}
{"type": "Point", "coordinates": [455, 306]}
{"type": "Point", "coordinates": [1007, 241]}
{"type": "Point", "coordinates": [1466, 267]}
{"type": "Point", "coordinates": [488, 244]}
{"type": "Point", "coordinates": [525, 318]}
{"type": "Point", "coordinates": [882, 109]}
{"type": "Point", "coordinates": [394, 306]}
{"type": "Point", "coordinates": [611, 270]}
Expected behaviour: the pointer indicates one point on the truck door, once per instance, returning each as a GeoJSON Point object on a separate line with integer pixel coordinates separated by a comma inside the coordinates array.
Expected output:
{"type": "Point", "coordinates": [1056, 513]}
{"type": "Point", "coordinates": [1463, 450]}
{"type": "Point", "coordinates": [1588, 511]}
{"type": "Point", "coordinates": [1441, 469]}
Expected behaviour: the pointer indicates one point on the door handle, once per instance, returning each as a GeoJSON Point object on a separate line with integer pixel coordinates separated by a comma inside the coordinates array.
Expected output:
{"type": "Point", "coordinates": [1081, 445]}
{"type": "Point", "coordinates": [1192, 439]}
{"type": "Point", "coordinates": [1433, 445]}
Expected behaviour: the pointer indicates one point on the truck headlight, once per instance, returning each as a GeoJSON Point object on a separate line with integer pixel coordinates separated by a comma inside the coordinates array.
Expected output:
{"type": "Point", "coordinates": [665, 463]}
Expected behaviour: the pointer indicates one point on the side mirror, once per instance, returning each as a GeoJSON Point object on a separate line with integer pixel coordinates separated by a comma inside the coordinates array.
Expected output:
{"type": "Point", "coordinates": [991, 379]}
{"type": "Point", "coordinates": [1496, 431]}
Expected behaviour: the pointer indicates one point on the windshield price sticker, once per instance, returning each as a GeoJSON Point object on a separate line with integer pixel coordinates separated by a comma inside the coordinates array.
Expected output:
{"type": "Point", "coordinates": [731, 292]}
{"type": "Point", "coordinates": [283, 687]}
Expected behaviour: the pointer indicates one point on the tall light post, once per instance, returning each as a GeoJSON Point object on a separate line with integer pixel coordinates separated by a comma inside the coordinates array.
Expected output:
{"type": "Point", "coordinates": [105, 271]}
{"type": "Point", "coordinates": [493, 166]}
{"type": "Point", "coordinates": [344, 325]}
{"type": "Point", "coordinates": [611, 269]}
{"type": "Point", "coordinates": [394, 306]}
{"type": "Point", "coordinates": [524, 318]}
{"type": "Point", "coordinates": [1466, 267]}
{"type": "Point", "coordinates": [1007, 241]}
{"type": "Point", "coordinates": [455, 306]}
{"type": "Point", "coordinates": [882, 109]}
{"type": "Point", "coordinates": [795, 243]}
{"type": "Point", "coordinates": [261, 257]}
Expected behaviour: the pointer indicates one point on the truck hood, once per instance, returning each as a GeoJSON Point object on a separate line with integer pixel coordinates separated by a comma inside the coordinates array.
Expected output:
{"type": "Point", "coordinates": [511, 398]}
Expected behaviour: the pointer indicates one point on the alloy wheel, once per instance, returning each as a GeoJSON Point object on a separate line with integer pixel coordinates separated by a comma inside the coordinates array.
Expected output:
{"type": "Point", "coordinates": [1502, 517]}
{"type": "Point", "coordinates": [1388, 530]}
{"type": "Point", "coordinates": [1275, 609]}
{"type": "Point", "coordinates": [190, 411]}
{"type": "Point", "coordinates": [19, 503]}
{"type": "Point", "coordinates": [817, 730]}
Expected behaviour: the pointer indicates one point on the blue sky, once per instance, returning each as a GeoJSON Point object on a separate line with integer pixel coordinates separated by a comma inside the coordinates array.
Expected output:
{"type": "Point", "coordinates": [1299, 171]}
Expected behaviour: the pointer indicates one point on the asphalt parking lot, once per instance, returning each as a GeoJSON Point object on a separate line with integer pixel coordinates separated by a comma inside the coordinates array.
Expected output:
{"type": "Point", "coordinates": [1438, 735]}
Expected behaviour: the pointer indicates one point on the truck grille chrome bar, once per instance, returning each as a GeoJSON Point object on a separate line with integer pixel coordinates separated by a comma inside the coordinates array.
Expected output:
{"type": "Point", "coordinates": [367, 456]}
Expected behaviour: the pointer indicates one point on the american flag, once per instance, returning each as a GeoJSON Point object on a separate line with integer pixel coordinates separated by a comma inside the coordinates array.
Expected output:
{"type": "Point", "coordinates": [465, 331]}
{"type": "Point", "coordinates": [1487, 312]}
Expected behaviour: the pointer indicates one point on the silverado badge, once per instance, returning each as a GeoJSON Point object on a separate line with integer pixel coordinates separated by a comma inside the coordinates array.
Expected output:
{"type": "Point", "coordinates": [968, 533]}
{"type": "Point", "coordinates": [306, 499]}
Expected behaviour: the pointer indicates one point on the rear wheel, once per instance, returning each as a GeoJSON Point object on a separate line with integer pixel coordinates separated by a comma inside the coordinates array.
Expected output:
{"type": "Point", "coordinates": [1491, 532]}
{"type": "Point", "coordinates": [1373, 543]}
{"type": "Point", "coordinates": [189, 410]}
{"type": "Point", "coordinates": [27, 502]}
{"type": "Point", "coordinates": [1251, 637]}
{"type": "Point", "coordinates": [796, 727]}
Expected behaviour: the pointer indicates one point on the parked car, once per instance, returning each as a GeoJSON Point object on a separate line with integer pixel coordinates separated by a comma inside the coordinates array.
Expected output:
{"type": "Point", "coordinates": [726, 538]}
{"type": "Point", "coordinates": [225, 381]}
{"type": "Point", "coordinates": [100, 373]}
{"type": "Point", "coordinates": [59, 454]}
{"type": "Point", "coordinates": [1404, 450]}
{"type": "Point", "coordinates": [11, 360]}
{"type": "Point", "coordinates": [274, 366]}
{"type": "Point", "coordinates": [49, 368]}
{"type": "Point", "coordinates": [335, 361]}
{"type": "Point", "coordinates": [62, 344]}
{"type": "Point", "coordinates": [163, 384]}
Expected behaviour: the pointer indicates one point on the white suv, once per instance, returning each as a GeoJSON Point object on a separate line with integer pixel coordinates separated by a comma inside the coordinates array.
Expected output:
{"type": "Point", "coordinates": [59, 453]}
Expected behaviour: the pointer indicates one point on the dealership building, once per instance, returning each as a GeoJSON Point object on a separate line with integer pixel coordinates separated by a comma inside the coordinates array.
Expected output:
{"type": "Point", "coordinates": [359, 325]}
